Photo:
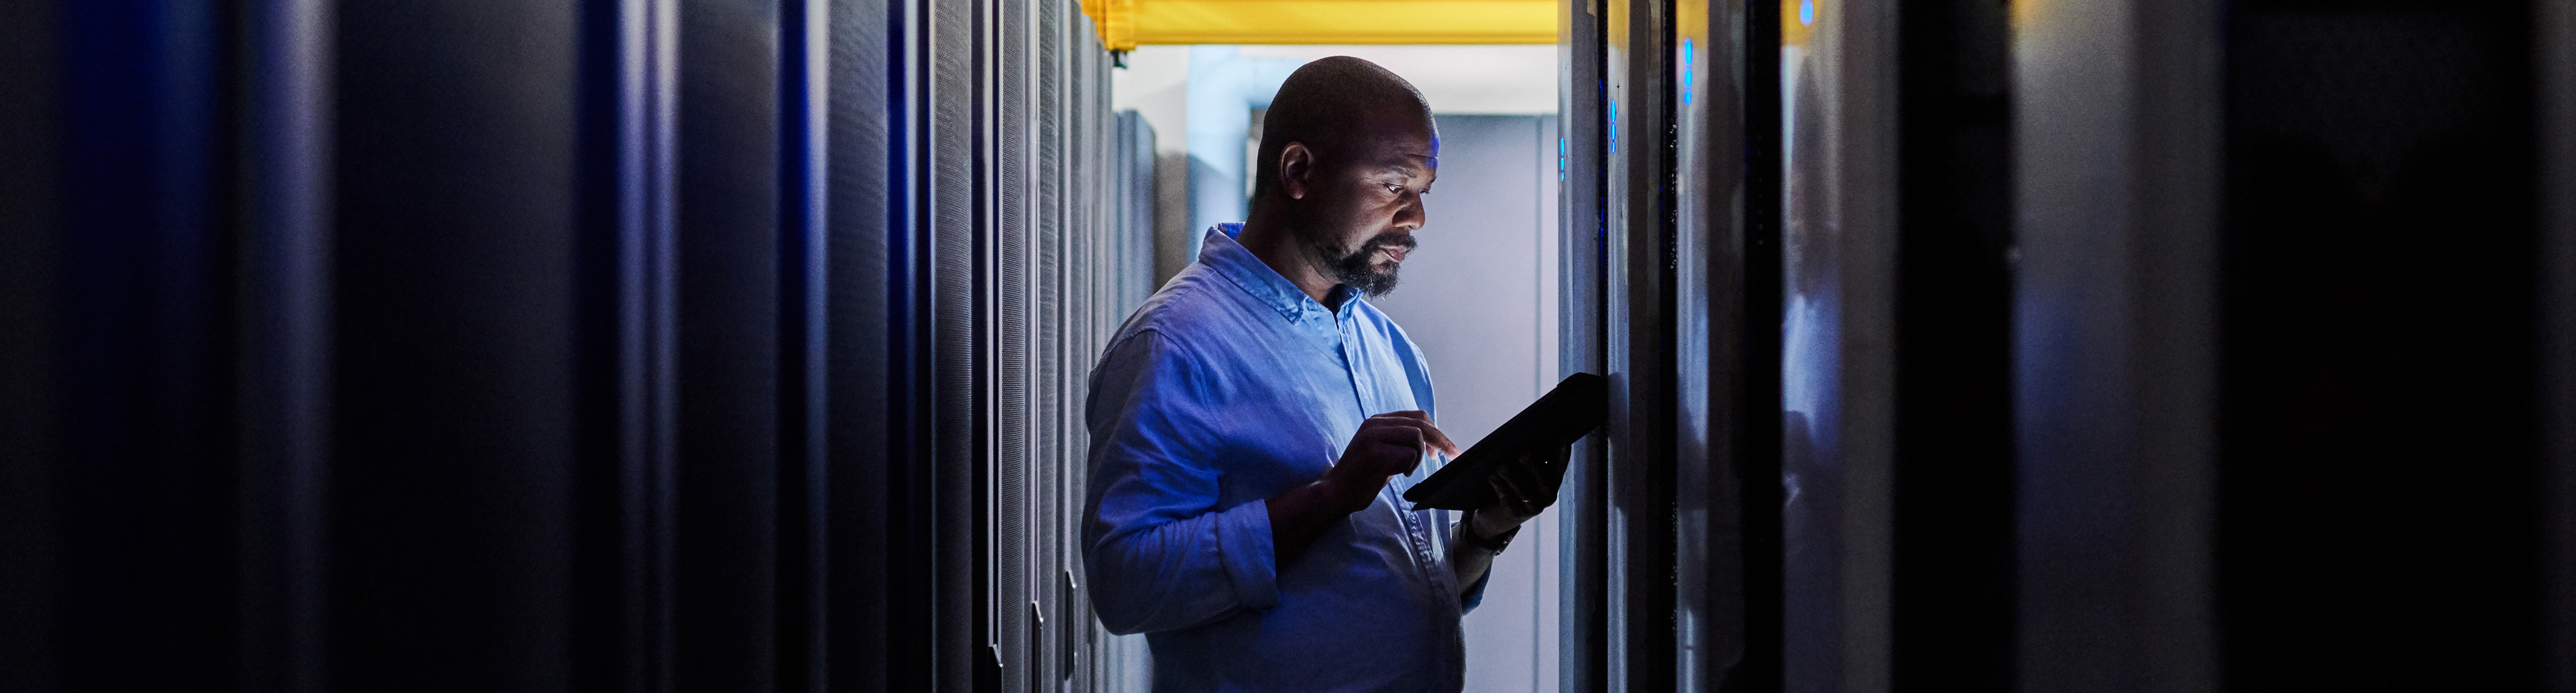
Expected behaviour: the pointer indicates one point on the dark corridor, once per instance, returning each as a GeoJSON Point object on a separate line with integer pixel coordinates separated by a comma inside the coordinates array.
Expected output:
{"type": "Point", "coordinates": [742, 345]}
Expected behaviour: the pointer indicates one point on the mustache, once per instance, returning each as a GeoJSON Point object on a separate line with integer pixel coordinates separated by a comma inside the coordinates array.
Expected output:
{"type": "Point", "coordinates": [1400, 241]}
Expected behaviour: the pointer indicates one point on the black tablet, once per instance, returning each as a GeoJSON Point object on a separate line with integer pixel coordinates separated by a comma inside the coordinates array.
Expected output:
{"type": "Point", "coordinates": [1578, 404]}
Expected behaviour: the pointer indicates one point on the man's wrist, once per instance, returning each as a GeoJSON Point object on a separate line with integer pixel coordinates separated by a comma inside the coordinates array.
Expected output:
{"type": "Point", "coordinates": [1487, 525]}
{"type": "Point", "coordinates": [1488, 542]}
{"type": "Point", "coordinates": [1344, 498]}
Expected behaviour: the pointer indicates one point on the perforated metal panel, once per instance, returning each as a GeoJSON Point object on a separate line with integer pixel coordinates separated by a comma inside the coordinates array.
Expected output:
{"type": "Point", "coordinates": [1045, 68]}
{"type": "Point", "coordinates": [1050, 276]}
{"type": "Point", "coordinates": [948, 100]}
{"type": "Point", "coordinates": [1015, 476]}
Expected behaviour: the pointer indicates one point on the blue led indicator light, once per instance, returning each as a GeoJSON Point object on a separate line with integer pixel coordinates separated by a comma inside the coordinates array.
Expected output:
{"type": "Point", "coordinates": [1686, 70]}
{"type": "Point", "coordinates": [1807, 12]}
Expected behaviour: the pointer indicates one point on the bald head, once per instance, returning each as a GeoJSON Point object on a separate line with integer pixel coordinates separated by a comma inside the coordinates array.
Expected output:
{"type": "Point", "coordinates": [1347, 152]}
{"type": "Point", "coordinates": [1335, 105]}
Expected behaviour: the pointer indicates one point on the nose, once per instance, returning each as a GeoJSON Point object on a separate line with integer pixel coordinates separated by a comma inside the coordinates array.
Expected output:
{"type": "Point", "coordinates": [1411, 216]}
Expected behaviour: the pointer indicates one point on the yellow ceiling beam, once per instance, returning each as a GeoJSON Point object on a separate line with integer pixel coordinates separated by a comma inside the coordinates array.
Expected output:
{"type": "Point", "coordinates": [1126, 24]}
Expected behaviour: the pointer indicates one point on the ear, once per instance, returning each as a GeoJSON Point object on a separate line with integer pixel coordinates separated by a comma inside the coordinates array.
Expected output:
{"type": "Point", "coordinates": [1296, 166]}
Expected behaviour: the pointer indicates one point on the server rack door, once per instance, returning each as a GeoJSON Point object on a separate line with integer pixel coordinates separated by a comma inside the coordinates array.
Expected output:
{"type": "Point", "coordinates": [728, 283]}
{"type": "Point", "coordinates": [875, 566]}
{"type": "Point", "coordinates": [949, 217]}
{"type": "Point", "coordinates": [1582, 229]}
{"type": "Point", "coordinates": [920, 512]}
{"type": "Point", "coordinates": [1838, 342]}
{"type": "Point", "coordinates": [1639, 312]}
{"type": "Point", "coordinates": [166, 412]}
{"type": "Point", "coordinates": [1015, 328]}
{"type": "Point", "coordinates": [1726, 342]}
{"type": "Point", "coordinates": [30, 130]}
{"type": "Point", "coordinates": [2115, 143]}
{"type": "Point", "coordinates": [2374, 436]}
{"type": "Point", "coordinates": [1054, 305]}
{"type": "Point", "coordinates": [804, 339]}
{"type": "Point", "coordinates": [1697, 544]}
{"type": "Point", "coordinates": [451, 435]}
{"type": "Point", "coordinates": [2556, 56]}
{"type": "Point", "coordinates": [1950, 607]}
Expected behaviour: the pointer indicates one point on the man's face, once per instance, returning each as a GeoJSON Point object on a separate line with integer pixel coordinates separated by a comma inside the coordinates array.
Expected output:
{"type": "Point", "coordinates": [1365, 202]}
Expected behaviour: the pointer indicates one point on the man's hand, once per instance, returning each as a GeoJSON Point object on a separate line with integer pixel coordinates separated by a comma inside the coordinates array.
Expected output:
{"type": "Point", "coordinates": [1386, 445]}
{"type": "Point", "coordinates": [1522, 489]}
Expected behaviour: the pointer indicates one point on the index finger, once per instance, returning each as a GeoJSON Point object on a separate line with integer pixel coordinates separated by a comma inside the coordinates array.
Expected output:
{"type": "Point", "coordinates": [1431, 433]}
{"type": "Point", "coordinates": [1414, 414]}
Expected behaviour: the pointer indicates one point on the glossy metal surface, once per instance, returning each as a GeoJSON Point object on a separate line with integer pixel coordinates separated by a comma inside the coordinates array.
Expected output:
{"type": "Point", "coordinates": [1838, 245]}
{"type": "Point", "coordinates": [1706, 629]}
{"type": "Point", "coordinates": [2115, 155]}
{"type": "Point", "coordinates": [1950, 611]}
{"type": "Point", "coordinates": [1638, 308]}
{"type": "Point", "coordinates": [1726, 471]}
{"type": "Point", "coordinates": [1583, 620]}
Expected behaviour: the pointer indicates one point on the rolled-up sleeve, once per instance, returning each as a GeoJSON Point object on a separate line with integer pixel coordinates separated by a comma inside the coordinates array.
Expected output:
{"type": "Point", "coordinates": [1160, 552]}
{"type": "Point", "coordinates": [1473, 594]}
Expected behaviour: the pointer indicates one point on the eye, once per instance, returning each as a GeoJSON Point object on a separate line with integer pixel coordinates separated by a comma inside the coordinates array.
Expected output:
{"type": "Point", "coordinates": [1394, 188]}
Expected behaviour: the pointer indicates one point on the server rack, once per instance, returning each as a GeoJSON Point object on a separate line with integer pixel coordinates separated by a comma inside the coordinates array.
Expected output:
{"type": "Point", "coordinates": [668, 344]}
{"type": "Point", "coordinates": [1726, 350]}
{"type": "Point", "coordinates": [1670, 281]}
{"type": "Point", "coordinates": [1583, 640]}
{"type": "Point", "coordinates": [637, 345]}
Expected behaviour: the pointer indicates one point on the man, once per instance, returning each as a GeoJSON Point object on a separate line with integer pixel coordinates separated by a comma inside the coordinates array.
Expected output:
{"type": "Point", "coordinates": [1246, 422]}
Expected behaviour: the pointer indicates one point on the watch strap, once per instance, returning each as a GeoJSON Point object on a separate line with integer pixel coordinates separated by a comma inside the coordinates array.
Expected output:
{"type": "Point", "coordinates": [1494, 545]}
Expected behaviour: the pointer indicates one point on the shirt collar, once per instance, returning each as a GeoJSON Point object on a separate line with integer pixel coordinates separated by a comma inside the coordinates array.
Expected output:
{"type": "Point", "coordinates": [1228, 257]}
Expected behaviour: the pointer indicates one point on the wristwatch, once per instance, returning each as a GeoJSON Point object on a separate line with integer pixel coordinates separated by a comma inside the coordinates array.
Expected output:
{"type": "Point", "coordinates": [1467, 532]}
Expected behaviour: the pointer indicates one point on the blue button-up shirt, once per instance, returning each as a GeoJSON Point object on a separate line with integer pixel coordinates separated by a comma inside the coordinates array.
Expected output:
{"type": "Point", "coordinates": [1227, 387]}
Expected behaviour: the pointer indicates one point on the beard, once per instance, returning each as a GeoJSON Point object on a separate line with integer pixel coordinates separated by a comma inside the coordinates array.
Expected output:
{"type": "Point", "coordinates": [1358, 269]}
